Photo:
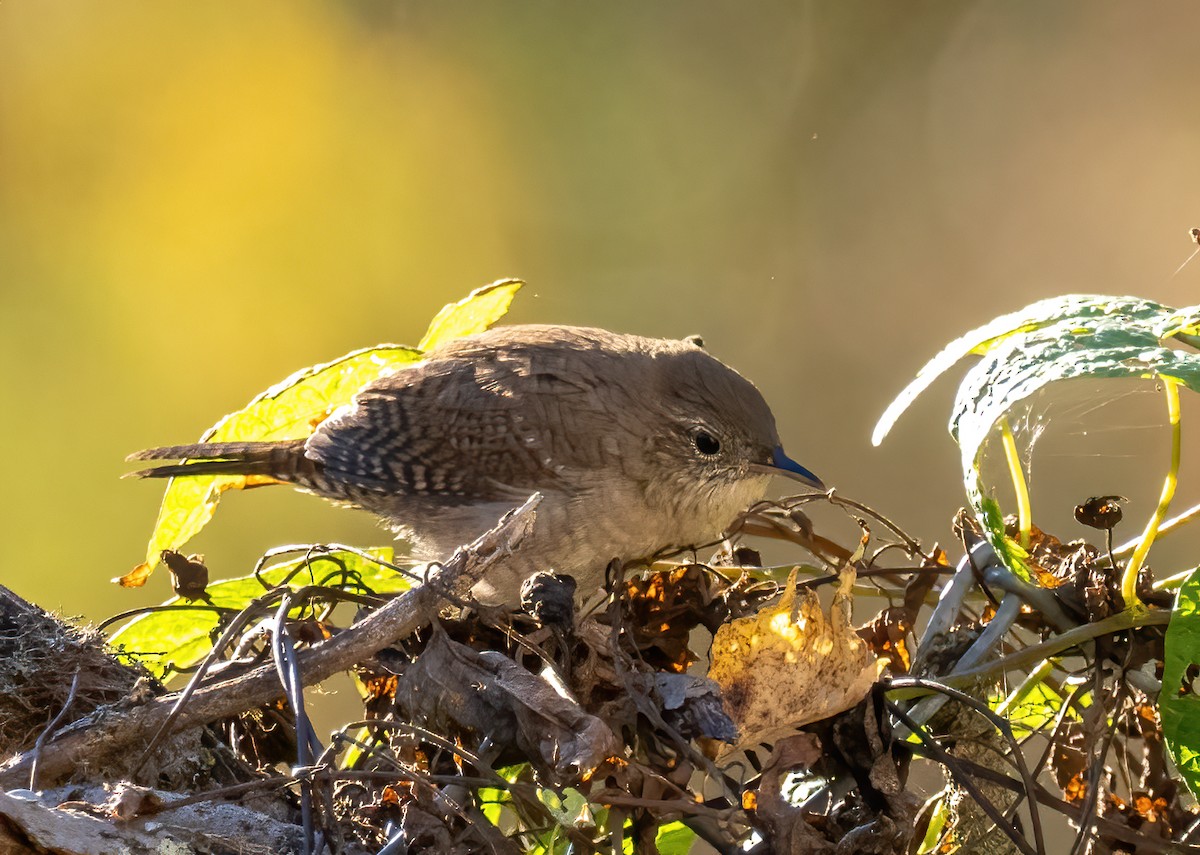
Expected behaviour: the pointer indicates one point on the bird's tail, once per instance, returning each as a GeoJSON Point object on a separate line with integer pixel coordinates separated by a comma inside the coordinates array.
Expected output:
{"type": "Point", "coordinates": [283, 461]}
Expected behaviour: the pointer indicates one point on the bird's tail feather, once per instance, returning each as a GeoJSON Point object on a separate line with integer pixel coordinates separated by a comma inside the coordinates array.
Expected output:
{"type": "Point", "coordinates": [284, 461]}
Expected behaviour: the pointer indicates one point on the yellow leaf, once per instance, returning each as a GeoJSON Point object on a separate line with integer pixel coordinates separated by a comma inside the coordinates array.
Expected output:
{"type": "Point", "coordinates": [293, 408]}
{"type": "Point", "coordinates": [474, 313]}
{"type": "Point", "coordinates": [288, 410]}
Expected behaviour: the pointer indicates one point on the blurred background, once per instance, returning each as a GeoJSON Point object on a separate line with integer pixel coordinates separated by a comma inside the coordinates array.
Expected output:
{"type": "Point", "coordinates": [197, 200]}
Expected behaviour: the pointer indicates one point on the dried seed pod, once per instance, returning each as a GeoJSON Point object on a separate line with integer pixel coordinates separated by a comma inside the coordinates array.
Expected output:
{"type": "Point", "coordinates": [189, 576]}
{"type": "Point", "coordinates": [1102, 512]}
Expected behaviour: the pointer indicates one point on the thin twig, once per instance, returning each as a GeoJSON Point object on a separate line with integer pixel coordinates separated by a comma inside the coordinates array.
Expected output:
{"type": "Point", "coordinates": [621, 798]}
{"type": "Point", "coordinates": [1096, 767]}
{"type": "Point", "coordinates": [1166, 528]}
{"type": "Point", "coordinates": [913, 545]}
{"type": "Point", "coordinates": [232, 791]}
{"type": "Point", "coordinates": [397, 619]}
{"type": "Point", "coordinates": [1058, 643]}
{"type": "Point", "coordinates": [49, 729]}
{"type": "Point", "coordinates": [1001, 724]}
{"type": "Point", "coordinates": [963, 780]}
{"type": "Point", "coordinates": [1142, 842]}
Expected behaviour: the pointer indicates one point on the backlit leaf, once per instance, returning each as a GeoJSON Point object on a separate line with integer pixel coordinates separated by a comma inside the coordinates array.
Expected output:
{"type": "Point", "coordinates": [181, 636]}
{"type": "Point", "coordinates": [1063, 338]}
{"type": "Point", "coordinates": [292, 410]}
{"type": "Point", "coordinates": [474, 313]}
{"type": "Point", "coordinates": [288, 410]}
{"type": "Point", "coordinates": [1179, 701]}
{"type": "Point", "coordinates": [792, 663]}
{"type": "Point", "coordinates": [1124, 343]}
{"type": "Point", "coordinates": [1075, 307]}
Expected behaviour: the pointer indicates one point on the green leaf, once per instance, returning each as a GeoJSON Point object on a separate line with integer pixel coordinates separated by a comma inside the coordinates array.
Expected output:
{"type": "Point", "coordinates": [474, 313]}
{"type": "Point", "coordinates": [1075, 307]}
{"type": "Point", "coordinates": [1179, 702]}
{"type": "Point", "coordinates": [991, 518]}
{"type": "Point", "coordinates": [674, 838]}
{"type": "Point", "coordinates": [1122, 342]}
{"type": "Point", "coordinates": [570, 809]}
{"type": "Point", "coordinates": [1031, 709]}
{"type": "Point", "coordinates": [1028, 362]}
{"type": "Point", "coordinates": [180, 636]}
{"type": "Point", "coordinates": [166, 641]}
{"type": "Point", "coordinates": [495, 804]}
{"type": "Point", "coordinates": [938, 821]}
{"type": "Point", "coordinates": [289, 410]}
{"type": "Point", "coordinates": [1061, 338]}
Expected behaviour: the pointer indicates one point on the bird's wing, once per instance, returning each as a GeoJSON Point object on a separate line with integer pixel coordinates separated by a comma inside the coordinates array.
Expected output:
{"type": "Point", "coordinates": [482, 425]}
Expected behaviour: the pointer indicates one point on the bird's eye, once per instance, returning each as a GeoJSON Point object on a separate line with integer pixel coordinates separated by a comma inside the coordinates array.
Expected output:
{"type": "Point", "coordinates": [705, 442]}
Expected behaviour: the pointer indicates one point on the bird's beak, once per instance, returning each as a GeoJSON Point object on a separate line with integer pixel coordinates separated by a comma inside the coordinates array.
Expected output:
{"type": "Point", "coordinates": [781, 464]}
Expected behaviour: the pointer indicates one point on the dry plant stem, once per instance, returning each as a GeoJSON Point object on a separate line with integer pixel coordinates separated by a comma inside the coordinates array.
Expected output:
{"type": "Point", "coordinates": [1175, 580]}
{"type": "Point", "coordinates": [983, 559]}
{"type": "Point", "coordinates": [1001, 724]}
{"type": "Point", "coordinates": [1032, 680]}
{"type": "Point", "coordinates": [1129, 579]}
{"type": "Point", "coordinates": [51, 727]}
{"type": "Point", "coordinates": [173, 607]}
{"type": "Point", "coordinates": [913, 545]}
{"type": "Point", "coordinates": [1070, 706]}
{"type": "Point", "coordinates": [1057, 644]}
{"type": "Point", "coordinates": [232, 791]}
{"type": "Point", "coordinates": [625, 674]}
{"type": "Point", "coordinates": [964, 780]}
{"type": "Point", "coordinates": [824, 549]}
{"type": "Point", "coordinates": [313, 552]}
{"type": "Point", "coordinates": [117, 731]}
{"type": "Point", "coordinates": [996, 575]}
{"type": "Point", "coordinates": [864, 589]}
{"type": "Point", "coordinates": [524, 795]}
{"type": "Point", "coordinates": [1107, 826]}
{"type": "Point", "coordinates": [440, 797]}
{"type": "Point", "coordinates": [616, 826]}
{"type": "Point", "coordinates": [1095, 766]}
{"type": "Point", "coordinates": [231, 632]}
{"type": "Point", "coordinates": [1001, 622]}
{"type": "Point", "coordinates": [951, 599]}
{"type": "Point", "coordinates": [249, 614]}
{"type": "Point", "coordinates": [620, 798]}
{"type": "Point", "coordinates": [493, 778]}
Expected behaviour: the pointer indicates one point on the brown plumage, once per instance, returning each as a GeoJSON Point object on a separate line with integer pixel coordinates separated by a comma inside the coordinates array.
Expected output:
{"type": "Point", "coordinates": [636, 444]}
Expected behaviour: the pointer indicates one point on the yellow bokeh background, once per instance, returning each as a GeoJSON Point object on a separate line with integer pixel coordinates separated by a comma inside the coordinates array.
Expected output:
{"type": "Point", "coordinates": [198, 199]}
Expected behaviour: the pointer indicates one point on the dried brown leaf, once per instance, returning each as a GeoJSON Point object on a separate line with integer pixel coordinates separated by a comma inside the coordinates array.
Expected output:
{"type": "Point", "coordinates": [792, 664]}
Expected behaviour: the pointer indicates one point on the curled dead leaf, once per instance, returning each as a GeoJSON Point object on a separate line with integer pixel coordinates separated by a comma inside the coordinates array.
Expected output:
{"type": "Point", "coordinates": [792, 664]}
{"type": "Point", "coordinates": [136, 577]}
{"type": "Point", "coordinates": [455, 689]}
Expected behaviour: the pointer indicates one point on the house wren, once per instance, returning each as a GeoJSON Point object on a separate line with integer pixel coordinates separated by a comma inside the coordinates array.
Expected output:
{"type": "Point", "coordinates": [637, 445]}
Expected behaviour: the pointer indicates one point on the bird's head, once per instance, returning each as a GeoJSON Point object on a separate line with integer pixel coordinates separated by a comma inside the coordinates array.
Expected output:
{"type": "Point", "coordinates": [717, 437]}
